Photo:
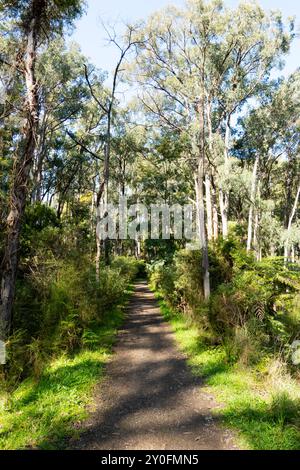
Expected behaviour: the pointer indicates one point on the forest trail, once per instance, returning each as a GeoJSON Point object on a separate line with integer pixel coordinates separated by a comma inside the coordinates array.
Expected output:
{"type": "Point", "coordinates": [149, 399]}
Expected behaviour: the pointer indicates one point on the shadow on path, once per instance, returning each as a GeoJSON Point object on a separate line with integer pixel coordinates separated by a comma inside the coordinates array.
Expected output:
{"type": "Point", "coordinates": [150, 399]}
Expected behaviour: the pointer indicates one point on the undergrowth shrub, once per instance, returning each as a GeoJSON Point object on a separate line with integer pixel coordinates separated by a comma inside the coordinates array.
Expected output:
{"type": "Point", "coordinates": [162, 278]}
{"type": "Point", "coordinates": [128, 267]}
{"type": "Point", "coordinates": [59, 300]}
{"type": "Point", "coordinates": [56, 305]}
{"type": "Point", "coordinates": [253, 307]}
{"type": "Point", "coordinates": [189, 280]}
{"type": "Point", "coordinates": [246, 296]}
{"type": "Point", "coordinates": [245, 343]}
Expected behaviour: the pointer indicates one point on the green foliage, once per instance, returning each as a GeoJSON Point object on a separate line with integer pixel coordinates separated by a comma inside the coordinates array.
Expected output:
{"type": "Point", "coordinates": [188, 276]}
{"type": "Point", "coordinates": [55, 308]}
{"type": "Point", "coordinates": [128, 268]}
{"type": "Point", "coordinates": [40, 229]}
{"type": "Point", "coordinates": [162, 279]}
{"type": "Point", "coordinates": [54, 14]}
{"type": "Point", "coordinates": [261, 403]}
{"type": "Point", "coordinates": [60, 303]}
{"type": "Point", "coordinates": [246, 344]}
{"type": "Point", "coordinates": [244, 297]}
{"type": "Point", "coordinates": [249, 312]}
{"type": "Point", "coordinates": [41, 413]}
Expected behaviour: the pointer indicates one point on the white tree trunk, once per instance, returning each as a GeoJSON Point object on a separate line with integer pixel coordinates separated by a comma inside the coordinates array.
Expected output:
{"type": "Point", "coordinates": [211, 202]}
{"type": "Point", "coordinates": [256, 242]}
{"type": "Point", "coordinates": [287, 243]}
{"type": "Point", "coordinates": [202, 234]}
{"type": "Point", "coordinates": [223, 201]}
{"type": "Point", "coordinates": [293, 253]}
{"type": "Point", "coordinates": [215, 213]}
{"type": "Point", "coordinates": [138, 248]}
{"type": "Point", "coordinates": [251, 209]}
{"type": "Point", "coordinates": [224, 195]}
{"type": "Point", "coordinates": [208, 208]}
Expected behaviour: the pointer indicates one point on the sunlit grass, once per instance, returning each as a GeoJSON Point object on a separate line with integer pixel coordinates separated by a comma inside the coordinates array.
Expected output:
{"type": "Point", "coordinates": [42, 414]}
{"type": "Point", "coordinates": [262, 407]}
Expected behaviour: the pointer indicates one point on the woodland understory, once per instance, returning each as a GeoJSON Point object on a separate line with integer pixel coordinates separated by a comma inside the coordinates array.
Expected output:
{"type": "Point", "coordinates": [210, 121]}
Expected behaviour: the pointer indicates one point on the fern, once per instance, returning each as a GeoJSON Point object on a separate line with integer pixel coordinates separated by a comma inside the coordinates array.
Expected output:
{"type": "Point", "coordinates": [288, 282]}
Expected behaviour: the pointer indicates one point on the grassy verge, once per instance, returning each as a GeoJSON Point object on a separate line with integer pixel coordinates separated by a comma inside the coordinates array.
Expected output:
{"type": "Point", "coordinates": [261, 403]}
{"type": "Point", "coordinates": [42, 413]}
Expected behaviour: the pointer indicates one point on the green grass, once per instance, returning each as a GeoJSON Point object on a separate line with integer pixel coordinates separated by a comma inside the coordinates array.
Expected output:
{"type": "Point", "coordinates": [261, 405]}
{"type": "Point", "coordinates": [42, 413]}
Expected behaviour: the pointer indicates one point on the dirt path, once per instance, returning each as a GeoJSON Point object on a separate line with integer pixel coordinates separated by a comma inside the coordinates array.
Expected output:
{"type": "Point", "coordinates": [150, 400]}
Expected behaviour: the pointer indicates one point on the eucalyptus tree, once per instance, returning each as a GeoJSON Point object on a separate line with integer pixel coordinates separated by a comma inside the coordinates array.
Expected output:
{"type": "Point", "coordinates": [63, 96]}
{"type": "Point", "coordinates": [34, 23]}
{"type": "Point", "coordinates": [271, 141]}
{"type": "Point", "coordinates": [252, 45]}
{"type": "Point", "coordinates": [106, 108]}
{"type": "Point", "coordinates": [198, 67]}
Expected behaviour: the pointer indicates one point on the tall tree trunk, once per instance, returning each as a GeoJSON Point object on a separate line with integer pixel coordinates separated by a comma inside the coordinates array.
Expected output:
{"type": "Point", "coordinates": [39, 162]}
{"type": "Point", "coordinates": [199, 188]}
{"type": "Point", "coordinates": [102, 204]}
{"type": "Point", "coordinates": [208, 208]}
{"type": "Point", "coordinates": [289, 179]}
{"type": "Point", "coordinates": [291, 218]}
{"type": "Point", "coordinates": [224, 195]}
{"type": "Point", "coordinates": [293, 253]}
{"type": "Point", "coordinates": [256, 242]}
{"type": "Point", "coordinates": [211, 202]}
{"type": "Point", "coordinates": [202, 231]}
{"type": "Point", "coordinates": [252, 197]}
{"type": "Point", "coordinates": [102, 198]}
{"type": "Point", "coordinates": [108, 110]}
{"type": "Point", "coordinates": [215, 211]}
{"type": "Point", "coordinates": [138, 248]}
{"type": "Point", "coordinates": [92, 208]}
{"type": "Point", "coordinates": [106, 182]}
{"type": "Point", "coordinates": [223, 201]}
{"type": "Point", "coordinates": [99, 215]}
{"type": "Point", "coordinates": [21, 172]}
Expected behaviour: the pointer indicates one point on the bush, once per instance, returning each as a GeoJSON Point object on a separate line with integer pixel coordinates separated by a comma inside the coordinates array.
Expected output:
{"type": "Point", "coordinates": [189, 279]}
{"type": "Point", "coordinates": [55, 306]}
{"type": "Point", "coordinates": [253, 306]}
{"type": "Point", "coordinates": [58, 297]}
{"type": "Point", "coordinates": [235, 303]}
{"type": "Point", "coordinates": [245, 344]}
{"type": "Point", "coordinates": [162, 278]}
{"type": "Point", "coordinates": [128, 267]}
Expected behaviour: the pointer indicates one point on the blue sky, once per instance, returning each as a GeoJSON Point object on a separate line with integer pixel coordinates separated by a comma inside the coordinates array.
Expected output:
{"type": "Point", "coordinates": [91, 36]}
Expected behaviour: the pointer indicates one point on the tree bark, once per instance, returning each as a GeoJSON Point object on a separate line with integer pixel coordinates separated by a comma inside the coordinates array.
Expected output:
{"type": "Point", "coordinates": [224, 195]}
{"type": "Point", "coordinates": [202, 232]}
{"type": "Point", "coordinates": [208, 208]}
{"type": "Point", "coordinates": [293, 254]}
{"type": "Point", "coordinates": [211, 202]}
{"type": "Point", "coordinates": [199, 189]}
{"type": "Point", "coordinates": [37, 193]}
{"type": "Point", "coordinates": [292, 215]}
{"type": "Point", "coordinates": [251, 209]}
{"type": "Point", "coordinates": [256, 236]}
{"type": "Point", "coordinates": [223, 201]}
{"type": "Point", "coordinates": [21, 171]}
{"type": "Point", "coordinates": [99, 215]}
{"type": "Point", "coordinates": [215, 215]}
